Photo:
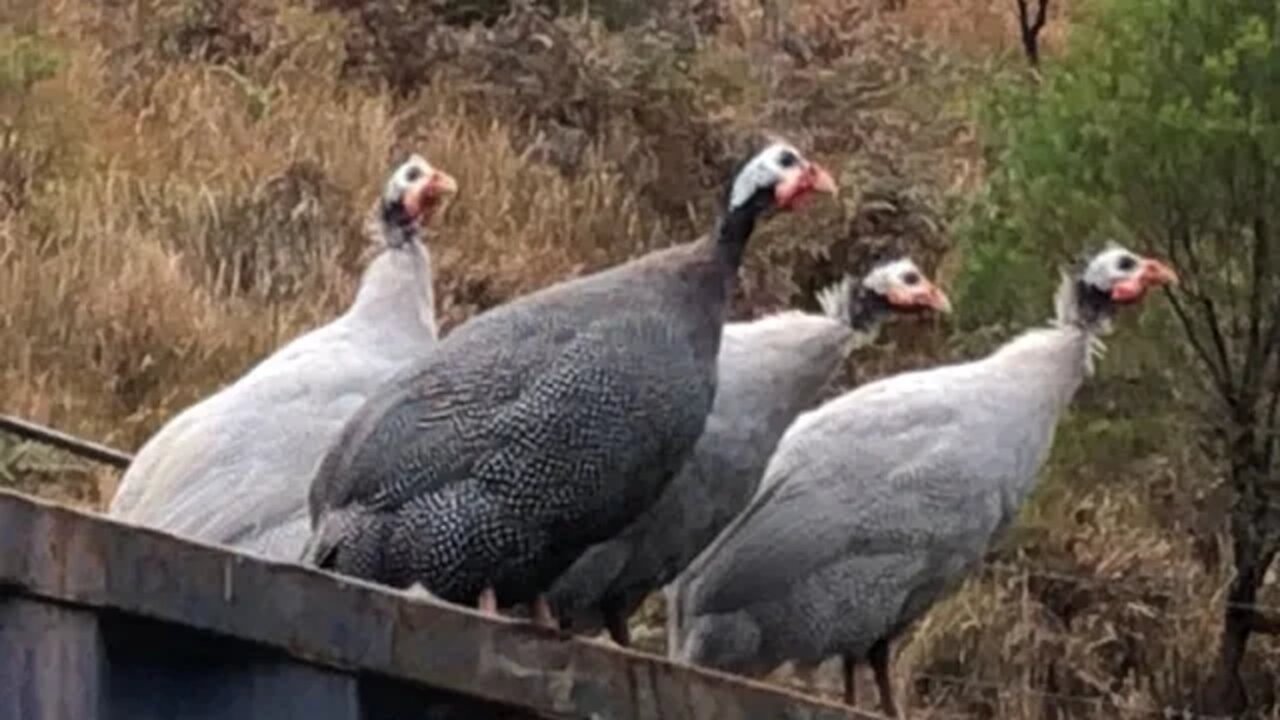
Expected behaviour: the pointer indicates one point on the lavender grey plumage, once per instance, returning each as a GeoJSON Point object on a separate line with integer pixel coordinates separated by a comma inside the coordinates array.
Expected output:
{"type": "Point", "coordinates": [769, 371]}
{"type": "Point", "coordinates": [539, 427]}
{"type": "Point", "coordinates": [233, 468]}
{"type": "Point", "coordinates": [879, 502]}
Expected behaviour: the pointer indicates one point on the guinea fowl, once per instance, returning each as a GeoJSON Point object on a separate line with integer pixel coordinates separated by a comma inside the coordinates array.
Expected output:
{"type": "Point", "coordinates": [769, 371]}
{"type": "Point", "coordinates": [877, 504]}
{"type": "Point", "coordinates": [234, 468]}
{"type": "Point", "coordinates": [542, 426]}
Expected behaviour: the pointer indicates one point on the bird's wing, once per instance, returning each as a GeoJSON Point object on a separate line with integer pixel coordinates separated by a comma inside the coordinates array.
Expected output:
{"type": "Point", "coordinates": [421, 428]}
{"type": "Point", "coordinates": [880, 476]}
{"type": "Point", "coordinates": [768, 370]}
{"type": "Point", "coordinates": [283, 541]}
{"type": "Point", "coordinates": [581, 589]}
{"type": "Point", "coordinates": [238, 462]}
{"type": "Point", "coordinates": [154, 460]}
{"type": "Point", "coordinates": [571, 400]}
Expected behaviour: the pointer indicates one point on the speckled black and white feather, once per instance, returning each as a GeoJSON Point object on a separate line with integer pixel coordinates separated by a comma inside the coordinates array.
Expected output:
{"type": "Point", "coordinates": [877, 503]}
{"type": "Point", "coordinates": [534, 430]}
{"type": "Point", "coordinates": [770, 370]}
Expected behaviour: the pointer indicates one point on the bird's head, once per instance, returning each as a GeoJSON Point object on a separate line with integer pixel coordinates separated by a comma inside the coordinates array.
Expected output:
{"type": "Point", "coordinates": [1109, 279]}
{"type": "Point", "coordinates": [891, 287]}
{"type": "Point", "coordinates": [777, 177]}
{"type": "Point", "coordinates": [1124, 277]}
{"type": "Point", "coordinates": [900, 285]}
{"type": "Point", "coordinates": [414, 193]}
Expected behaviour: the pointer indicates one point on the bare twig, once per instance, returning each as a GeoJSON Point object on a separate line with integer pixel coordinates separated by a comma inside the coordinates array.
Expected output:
{"type": "Point", "coordinates": [1272, 428]}
{"type": "Point", "coordinates": [1182, 252]}
{"type": "Point", "coordinates": [1256, 352]}
{"type": "Point", "coordinates": [1219, 376]}
{"type": "Point", "coordinates": [1031, 28]}
{"type": "Point", "coordinates": [1208, 311]}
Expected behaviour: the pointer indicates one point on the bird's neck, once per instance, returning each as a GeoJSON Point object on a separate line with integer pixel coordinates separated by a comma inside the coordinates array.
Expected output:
{"type": "Point", "coordinates": [851, 303]}
{"type": "Point", "coordinates": [734, 229]}
{"type": "Point", "coordinates": [1094, 308]}
{"type": "Point", "coordinates": [1080, 304]}
{"type": "Point", "coordinates": [867, 312]}
{"type": "Point", "coordinates": [396, 290]}
{"type": "Point", "coordinates": [1048, 363]}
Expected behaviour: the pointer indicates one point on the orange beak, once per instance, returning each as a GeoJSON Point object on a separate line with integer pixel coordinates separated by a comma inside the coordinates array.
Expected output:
{"type": "Point", "coordinates": [1155, 273]}
{"type": "Point", "coordinates": [423, 200]}
{"type": "Point", "coordinates": [923, 294]}
{"type": "Point", "coordinates": [1152, 273]}
{"type": "Point", "coordinates": [442, 183]}
{"type": "Point", "coordinates": [802, 183]}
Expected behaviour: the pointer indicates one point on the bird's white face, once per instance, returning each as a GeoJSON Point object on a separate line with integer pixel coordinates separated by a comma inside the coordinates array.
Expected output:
{"type": "Point", "coordinates": [419, 187]}
{"type": "Point", "coordinates": [905, 288]}
{"type": "Point", "coordinates": [1125, 276]}
{"type": "Point", "coordinates": [783, 169]}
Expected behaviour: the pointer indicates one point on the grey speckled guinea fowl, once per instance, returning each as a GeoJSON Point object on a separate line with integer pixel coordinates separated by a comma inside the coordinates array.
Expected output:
{"type": "Point", "coordinates": [878, 503]}
{"type": "Point", "coordinates": [234, 469]}
{"type": "Point", "coordinates": [541, 427]}
{"type": "Point", "coordinates": [769, 370]}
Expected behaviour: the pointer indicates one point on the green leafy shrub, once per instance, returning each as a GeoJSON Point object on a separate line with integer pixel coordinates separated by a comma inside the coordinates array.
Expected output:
{"type": "Point", "coordinates": [1159, 128]}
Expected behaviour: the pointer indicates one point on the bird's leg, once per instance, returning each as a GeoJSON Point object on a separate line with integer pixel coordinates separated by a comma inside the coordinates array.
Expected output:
{"type": "Point", "coordinates": [489, 601]}
{"type": "Point", "coordinates": [542, 614]}
{"type": "Point", "coordinates": [878, 656]}
{"type": "Point", "coordinates": [849, 666]}
{"type": "Point", "coordinates": [671, 594]}
{"type": "Point", "coordinates": [616, 623]}
{"type": "Point", "coordinates": [619, 630]}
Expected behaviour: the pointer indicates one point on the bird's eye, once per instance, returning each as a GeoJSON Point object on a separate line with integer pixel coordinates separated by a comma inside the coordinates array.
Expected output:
{"type": "Point", "coordinates": [1127, 263]}
{"type": "Point", "coordinates": [788, 159]}
{"type": "Point", "coordinates": [414, 174]}
{"type": "Point", "coordinates": [911, 278]}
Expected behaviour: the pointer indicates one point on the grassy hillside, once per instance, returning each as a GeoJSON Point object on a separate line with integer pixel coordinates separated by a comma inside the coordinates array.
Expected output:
{"type": "Point", "coordinates": [183, 185]}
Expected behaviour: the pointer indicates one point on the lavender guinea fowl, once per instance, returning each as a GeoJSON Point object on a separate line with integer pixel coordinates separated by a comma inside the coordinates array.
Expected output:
{"type": "Point", "coordinates": [234, 468]}
{"type": "Point", "coordinates": [770, 370]}
{"type": "Point", "coordinates": [879, 502]}
{"type": "Point", "coordinates": [545, 425]}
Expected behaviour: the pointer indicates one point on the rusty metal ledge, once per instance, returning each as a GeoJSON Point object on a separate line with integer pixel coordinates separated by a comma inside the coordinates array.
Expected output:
{"type": "Point", "coordinates": [77, 558]}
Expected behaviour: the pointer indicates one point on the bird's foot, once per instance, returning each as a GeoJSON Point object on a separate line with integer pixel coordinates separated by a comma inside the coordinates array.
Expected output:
{"type": "Point", "coordinates": [879, 657]}
{"type": "Point", "coordinates": [545, 620]}
{"type": "Point", "coordinates": [542, 614]}
{"type": "Point", "coordinates": [418, 590]}
{"type": "Point", "coordinates": [616, 623]}
{"type": "Point", "coordinates": [488, 603]}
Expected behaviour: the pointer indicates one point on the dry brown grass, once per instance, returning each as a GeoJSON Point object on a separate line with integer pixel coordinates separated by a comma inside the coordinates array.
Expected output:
{"type": "Point", "coordinates": [190, 230]}
{"type": "Point", "coordinates": [185, 189]}
{"type": "Point", "coordinates": [979, 27]}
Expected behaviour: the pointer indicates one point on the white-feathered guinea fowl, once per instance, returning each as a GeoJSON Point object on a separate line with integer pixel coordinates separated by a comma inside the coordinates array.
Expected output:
{"type": "Point", "coordinates": [544, 425]}
{"type": "Point", "coordinates": [770, 370]}
{"type": "Point", "coordinates": [235, 468]}
{"type": "Point", "coordinates": [877, 503]}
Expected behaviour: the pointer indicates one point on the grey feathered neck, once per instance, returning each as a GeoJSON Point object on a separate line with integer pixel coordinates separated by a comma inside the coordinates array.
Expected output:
{"type": "Point", "coordinates": [1083, 305]}
{"type": "Point", "coordinates": [1077, 304]}
{"type": "Point", "coordinates": [396, 286]}
{"type": "Point", "coordinates": [850, 302]}
{"type": "Point", "coordinates": [391, 223]}
{"type": "Point", "coordinates": [735, 228]}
